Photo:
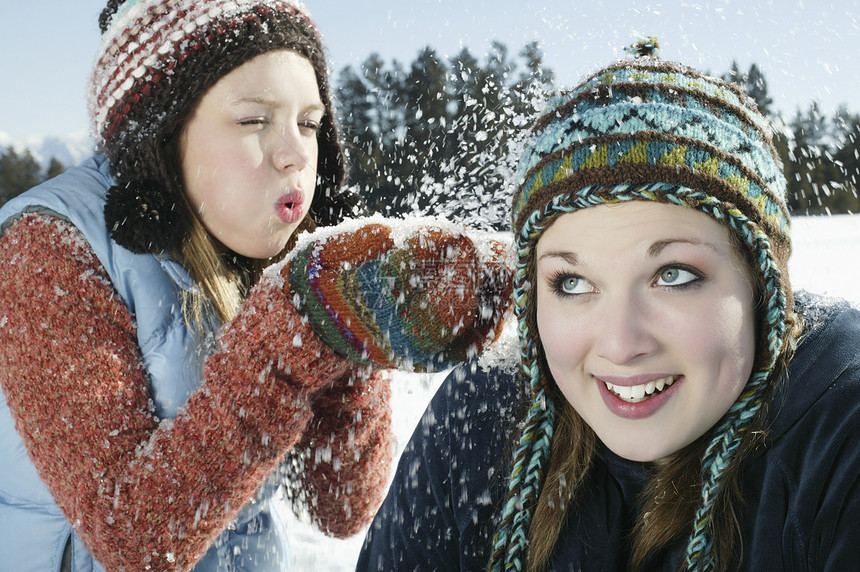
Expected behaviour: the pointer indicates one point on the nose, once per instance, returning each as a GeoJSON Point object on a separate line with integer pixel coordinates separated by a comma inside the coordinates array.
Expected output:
{"type": "Point", "coordinates": [624, 330]}
{"type": "Point", "coordinates": [291, 149]}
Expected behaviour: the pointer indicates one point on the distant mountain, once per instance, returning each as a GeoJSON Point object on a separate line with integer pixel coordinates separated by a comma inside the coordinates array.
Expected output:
{"type": "Point", "coordinates": [69, 150]}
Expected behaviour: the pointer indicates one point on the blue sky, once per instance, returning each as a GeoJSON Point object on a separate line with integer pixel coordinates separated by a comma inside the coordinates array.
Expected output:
{"type": "Point", "coordinates": [807, 50]}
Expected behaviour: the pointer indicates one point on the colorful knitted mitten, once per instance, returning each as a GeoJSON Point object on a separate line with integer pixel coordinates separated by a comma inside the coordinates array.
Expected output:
{"type": "Point", "coordinates": [417, 295]}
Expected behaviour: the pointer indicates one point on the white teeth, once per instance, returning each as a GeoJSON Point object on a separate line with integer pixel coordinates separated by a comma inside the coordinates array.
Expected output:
{"type": "Point", "coordinates": [637, 393]}
{"type": "Point", "coordinates": [621, 391]}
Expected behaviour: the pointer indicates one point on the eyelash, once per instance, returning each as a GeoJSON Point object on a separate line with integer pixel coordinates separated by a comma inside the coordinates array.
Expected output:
{"type": "Point", "coordinates": [557, 279]}
{"type": "Point", "coordinates": [699, 277]}
{"type": "Point", "coordinates": [314, 126]}
{"type": "Point", "coordinates": [253, 121]}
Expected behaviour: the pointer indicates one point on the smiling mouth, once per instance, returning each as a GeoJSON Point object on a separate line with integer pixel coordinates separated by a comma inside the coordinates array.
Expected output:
{"type": "Point", "coordinates": [642, 392]}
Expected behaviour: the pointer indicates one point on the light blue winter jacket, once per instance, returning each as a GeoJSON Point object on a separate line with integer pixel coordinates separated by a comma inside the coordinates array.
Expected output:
{"type": "Point", "coordinates": [33, 531]}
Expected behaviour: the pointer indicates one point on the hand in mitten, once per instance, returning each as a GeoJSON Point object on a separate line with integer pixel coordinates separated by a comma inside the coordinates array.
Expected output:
{"type": "Point", "coordinates": [417, 294]}
{"type": "Point", "coordinates": [339, 471]}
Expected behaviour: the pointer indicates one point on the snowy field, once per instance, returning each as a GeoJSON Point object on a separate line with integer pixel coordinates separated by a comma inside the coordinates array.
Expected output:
{"type": "Point", "coordinates": [826, 260]}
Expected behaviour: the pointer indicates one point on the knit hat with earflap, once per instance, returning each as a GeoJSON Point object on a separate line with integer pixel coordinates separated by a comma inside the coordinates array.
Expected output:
{"type": "Point", "coordinates": [157, 58]}
{"type": "Point", "coordinates": [647, 130]}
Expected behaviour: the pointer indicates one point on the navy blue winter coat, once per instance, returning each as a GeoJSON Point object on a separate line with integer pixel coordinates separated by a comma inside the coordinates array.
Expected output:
{"type": "Point", "coordinates": [801, 490]}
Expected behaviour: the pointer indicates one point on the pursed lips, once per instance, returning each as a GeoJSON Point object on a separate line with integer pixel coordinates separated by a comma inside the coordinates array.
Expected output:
{"type": "Point", "coordinates": [289, 206]}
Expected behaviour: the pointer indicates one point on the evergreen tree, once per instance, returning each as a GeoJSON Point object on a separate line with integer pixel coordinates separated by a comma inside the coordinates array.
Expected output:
{"type": "Point", "coordinates": [355, 109]}
{"type": "Point", "coordinates": [433, 139]}
{"type": "Point", "coordinates": [846, 158]}
{"type": "Point", "coordinates": [819, 182]}
{"type": "Point", "coordinates": [754, 84]}
{"type": "Point", "coordinates": [372, 113]}
{"type": "Point", "coordinates": [491, 104]}
{"type": "Point", "coordinates": [18, 173]}
{"type": "Point", "coordinates": [436, 137]}
{"type": "Point", "coordinates": [55, 167]}
{"type": "Point", "coordinates": [756, 88]}
{"type": "Point", "coordinates": [819, 156]}
{"type": "Point", "coordinates": [804, 155]}
{"type": "Point", "coordinates": [424, 147]}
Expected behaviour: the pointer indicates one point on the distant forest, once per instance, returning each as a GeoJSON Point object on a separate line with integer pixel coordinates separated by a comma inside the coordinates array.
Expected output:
{"type": "Point", "coordinates": [438, 136]}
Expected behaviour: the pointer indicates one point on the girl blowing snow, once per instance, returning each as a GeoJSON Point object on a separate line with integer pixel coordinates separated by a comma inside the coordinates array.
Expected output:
{"type": "Point", "coordinates": [158, 385]}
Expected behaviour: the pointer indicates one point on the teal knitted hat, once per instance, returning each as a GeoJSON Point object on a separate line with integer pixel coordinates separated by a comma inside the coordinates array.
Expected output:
{"type": "Point", "coordinates": [650, 130]}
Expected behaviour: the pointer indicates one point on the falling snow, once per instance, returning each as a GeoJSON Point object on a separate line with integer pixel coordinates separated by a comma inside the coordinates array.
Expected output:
{"type": "Point", "coordinates": [825, 251]}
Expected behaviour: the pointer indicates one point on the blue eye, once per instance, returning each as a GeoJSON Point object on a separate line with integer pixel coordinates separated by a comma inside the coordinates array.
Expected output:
{"type": "Point", "coordinates": [569, 285]}
{"type": "Point", "coordinates": [676, 276]}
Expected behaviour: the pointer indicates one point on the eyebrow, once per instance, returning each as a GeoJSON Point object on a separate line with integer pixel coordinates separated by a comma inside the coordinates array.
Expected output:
{"type": "Point", "coordinates": [274, 103]}
{"type": "Point", "coordinates": [654, 250]}
{"type": "Point", "coordinates": [570, 257]}
{"type": "Point", "coordinates": [658, 247]}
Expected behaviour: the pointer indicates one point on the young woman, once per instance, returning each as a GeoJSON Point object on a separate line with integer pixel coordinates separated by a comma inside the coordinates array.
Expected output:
{"type": "Point", "coordinates": [154, 377]}
{"type": "Point", "coordinates": [681, 408]}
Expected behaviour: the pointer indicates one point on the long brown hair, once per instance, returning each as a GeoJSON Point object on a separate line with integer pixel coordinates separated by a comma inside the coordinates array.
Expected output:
{"type": "Point", "coordinates": [223, 278]}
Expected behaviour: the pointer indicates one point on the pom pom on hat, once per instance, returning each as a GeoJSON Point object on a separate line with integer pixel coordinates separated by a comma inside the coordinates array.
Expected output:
{"type": "Point", "coordinates": [135, 208]}
{"type": "Point", "coordinates": [644, 48]}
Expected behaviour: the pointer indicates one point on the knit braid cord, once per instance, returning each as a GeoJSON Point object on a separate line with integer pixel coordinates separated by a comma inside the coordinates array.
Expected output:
{"type": "Point", "coordinates": [510, 541]}
{"type": "Point", "coordinates": [735, 426]}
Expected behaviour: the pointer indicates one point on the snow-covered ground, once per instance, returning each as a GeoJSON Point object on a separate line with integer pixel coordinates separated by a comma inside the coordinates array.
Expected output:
{"type": "Point", "coordinates": [826, 260]}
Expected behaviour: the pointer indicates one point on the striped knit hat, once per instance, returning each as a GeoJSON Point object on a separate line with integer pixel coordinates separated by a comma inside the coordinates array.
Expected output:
{"type": "Point", "coordinates": [647, 130]}
{"type": "Point", "coordinates": [157, 58]}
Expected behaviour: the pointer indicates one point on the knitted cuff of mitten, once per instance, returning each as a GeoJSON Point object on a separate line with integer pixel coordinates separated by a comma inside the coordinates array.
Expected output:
{"type": "Point", "coordinates": [271, 343]}
{"type": "Point", "coordinates": [346, 454]}
{"type": "Point", "coordinates": [416, 294]}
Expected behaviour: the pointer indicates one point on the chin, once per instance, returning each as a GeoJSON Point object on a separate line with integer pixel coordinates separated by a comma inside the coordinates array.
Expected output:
{"type": "Point", "coordinates": [261, 251]}
{"type": "Point", "coordinates": [265, 254]}
{"type": "Point", "coordinates": [639, 454]}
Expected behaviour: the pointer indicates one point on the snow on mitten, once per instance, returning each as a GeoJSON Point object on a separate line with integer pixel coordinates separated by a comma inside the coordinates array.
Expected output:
{"type": "Point", "coordinates": [417, 294]}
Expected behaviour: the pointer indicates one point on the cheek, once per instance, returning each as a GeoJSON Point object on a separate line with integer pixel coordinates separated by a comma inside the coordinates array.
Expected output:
{"type": "Point", "coordinates": [726, 338]}
{"type": "Point", "coordinates": [231, 163]}
{"type": "Point", "coordinates": [740, 347]}
{"type": "Point", "coordinates": [210, 153]}
{"type": "Point", "coordinates": [221, 178]}
{"type": "Point", "coordinates": [562, 339]}
{"type": "Point", "coordinates": [197, 160]}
